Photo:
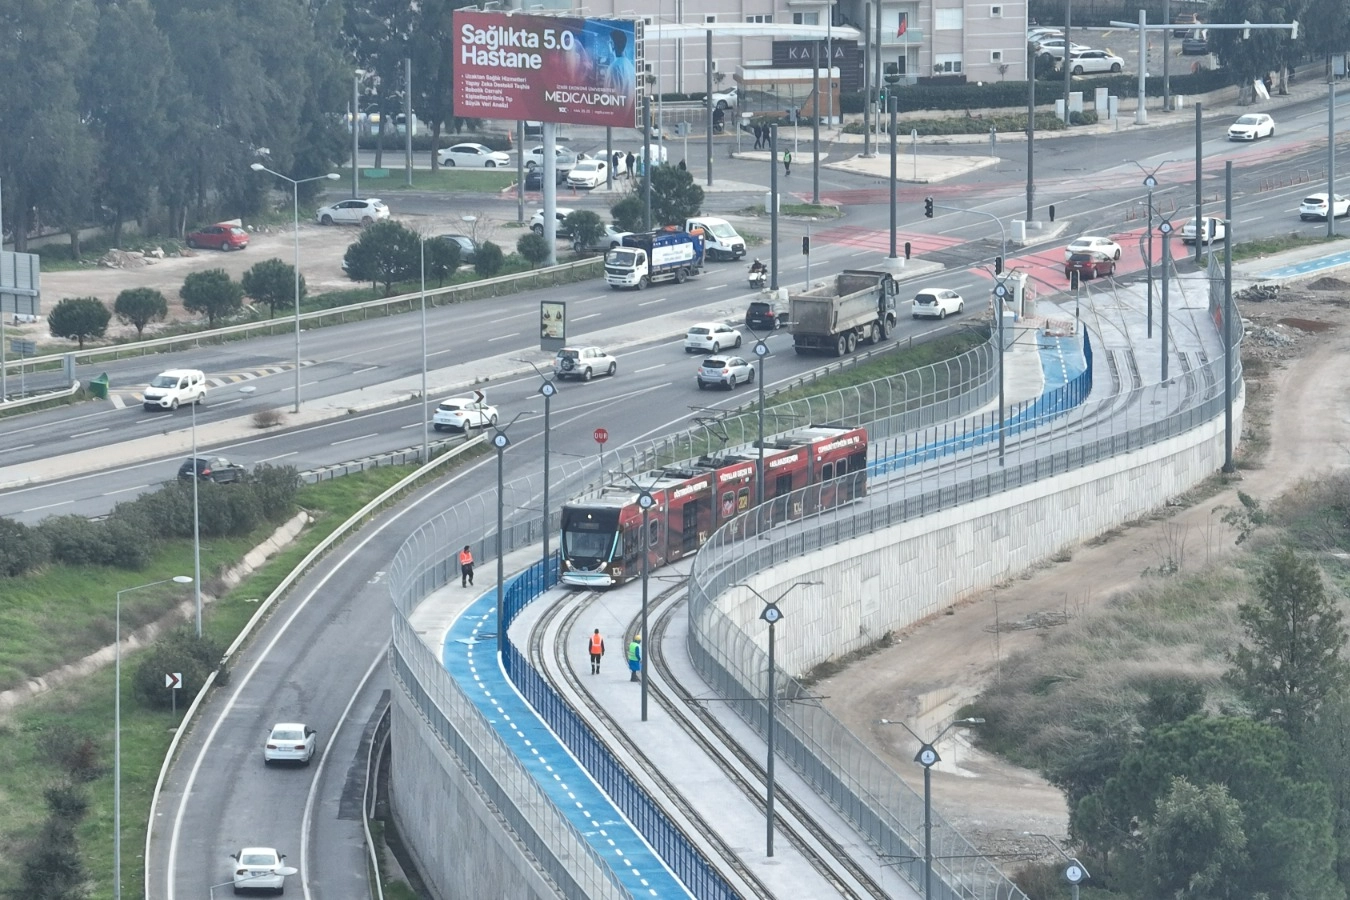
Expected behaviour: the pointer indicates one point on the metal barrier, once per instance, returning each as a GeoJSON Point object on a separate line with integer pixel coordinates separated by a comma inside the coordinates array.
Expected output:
{"type": "Point", "coordinates": [860, 785]}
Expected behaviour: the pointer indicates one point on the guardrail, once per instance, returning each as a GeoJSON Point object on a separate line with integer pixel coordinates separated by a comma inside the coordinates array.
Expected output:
{"type": "Point", "coordinates": [7, 405]}
{"type": "Point", "coordinates": [303, 566]}
{"type": "Point", "coordinates": [488, 287]}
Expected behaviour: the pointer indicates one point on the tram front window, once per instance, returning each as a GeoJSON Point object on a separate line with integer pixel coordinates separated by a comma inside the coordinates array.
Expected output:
{"type": "Point", "coordinates": [589, 533]}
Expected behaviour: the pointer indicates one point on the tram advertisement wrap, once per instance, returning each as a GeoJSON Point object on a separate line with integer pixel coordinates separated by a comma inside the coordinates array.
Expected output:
{"type": "Point", "coordinates": [546, 68]}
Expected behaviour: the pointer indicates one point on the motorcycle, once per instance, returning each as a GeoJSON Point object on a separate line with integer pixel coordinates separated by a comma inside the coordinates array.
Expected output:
{"type": "Point", "coordinates": [759, 278]}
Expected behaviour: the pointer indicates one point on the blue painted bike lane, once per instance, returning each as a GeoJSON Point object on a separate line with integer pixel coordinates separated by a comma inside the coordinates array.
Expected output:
{"type": "Point", "coordinates": [469, 654]}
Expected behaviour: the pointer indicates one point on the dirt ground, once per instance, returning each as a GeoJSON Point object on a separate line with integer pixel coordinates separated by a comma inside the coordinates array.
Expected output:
{"type": "Point", "coordinates": [935, 667]}
{"type": "Point", "coordinates": [321, 252]}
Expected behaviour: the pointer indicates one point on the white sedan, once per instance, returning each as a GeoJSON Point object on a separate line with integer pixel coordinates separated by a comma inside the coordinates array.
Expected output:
{"type": "Point", "coordinates": [352, 212]}
{"type": "Point", "coordinates": [1251, 126]}
{"type": "Point", "coordinates": [588, 173]}
{"type": "Point", "coordinates": [1092, 244]}
{"type": "Point", "coordinates": [260, 869]}
{"type": "Point", "coordinates": [463, 413]}
{"type": "Point", "coordinates": [937, 303]}
{"type": "Point", "coordinates": [289, 742]}
{"type": "Point", "coordinates": [562, 157]}
{"type": "Point", "coordinates": [1314, 206]}
{"type": "Point", "coordinates": [1092, 62]}
{"type": "Point", "coordinates": [1214, 230]}
{"type": "Point", "coordinates": [473, 156]}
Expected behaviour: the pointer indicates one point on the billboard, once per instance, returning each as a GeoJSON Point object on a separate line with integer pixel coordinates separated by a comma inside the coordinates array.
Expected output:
{"type": "Point", "coordinates": [546, 68]}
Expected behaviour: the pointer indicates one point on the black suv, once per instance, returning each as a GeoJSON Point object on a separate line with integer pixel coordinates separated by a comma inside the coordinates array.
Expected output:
{"type": "Point", "coordinates": [766, 315]}
{"type": "Point", "coordinates": [215, 468]}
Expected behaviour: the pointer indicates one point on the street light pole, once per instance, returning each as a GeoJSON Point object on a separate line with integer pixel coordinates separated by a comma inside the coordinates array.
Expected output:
{"type": "Point", "coordinates": [500, 441]}
{"type": "Point", "coordinates": [1075, 873]}
{"type": "Point", "coordinates": [426, 448]}
{"type": "Point", "coordinates": [546, 390]}
{"type": "Point", "coordinates": [196, 530]}
{"type": "Point", "coordinates": [928, 757]}
{"type": "Point", "coordinates": [646, 501]}
{"type": "Point", "coordinates": [295, 210]}
{"type": "Point", "coordinates": [762, 353]}
{"type": "Point", "coordinates": [117, 727]}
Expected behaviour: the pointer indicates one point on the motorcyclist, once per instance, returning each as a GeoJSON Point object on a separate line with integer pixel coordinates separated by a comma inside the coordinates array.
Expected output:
{"type": "Point", "coordinates": [757, 268]}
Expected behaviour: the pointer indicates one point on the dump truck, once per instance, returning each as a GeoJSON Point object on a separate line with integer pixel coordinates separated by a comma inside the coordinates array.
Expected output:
{"type": "Point", "coordinates": [857, 307]}
{"type": "Point", "coordinates": [652, 256]}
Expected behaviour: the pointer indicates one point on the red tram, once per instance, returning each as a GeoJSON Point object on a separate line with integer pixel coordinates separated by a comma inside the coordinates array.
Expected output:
{"type": "Point", "coordinates": [602, 537]}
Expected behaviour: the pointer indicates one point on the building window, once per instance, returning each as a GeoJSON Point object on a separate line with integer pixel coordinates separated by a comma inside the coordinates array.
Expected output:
{"type": "Point", "coordinates": [996, 56]}
{"type": "Point", "coordinates": [709, 19]}
{"type": "Point", "coordinates": [995, 12]}
{"type": "Point", "coordinates": [807, 18]}
{"type": "Point", "coordinates": [947, 19]}
{"type": "Point", "coordinates": [947, 64]}
{"type": "Point", "coordinates": [648, 20]}
{"type": "Point", "coordinates": [760, 20]}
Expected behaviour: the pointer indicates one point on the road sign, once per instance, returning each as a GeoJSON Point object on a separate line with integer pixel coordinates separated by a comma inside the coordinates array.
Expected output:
{"type": "Point", "coordinates": [23, 347]}
{"type": "Point", "coordinates": [601, 435]}
{"type": "Point", "coordinates": [173, 680]}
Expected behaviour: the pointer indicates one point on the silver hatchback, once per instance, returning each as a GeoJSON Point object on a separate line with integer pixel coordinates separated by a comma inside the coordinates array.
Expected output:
{"type": "Point", "coordinates": [725, 371]}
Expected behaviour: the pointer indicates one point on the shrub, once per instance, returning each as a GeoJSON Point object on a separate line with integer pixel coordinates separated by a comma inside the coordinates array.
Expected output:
{"type": "Point", "coordinates": [74, 540]}
{"type": "Point", "coordinates": [488, 261]}
{"type": "Point", "coordinates": [178, 651]}
{"type": "Point", "coordinates": [22, 549]}
{"type": "Point", "coordinates": [276, 488]}
{"type": "Point", "coordinates": [533, 248]}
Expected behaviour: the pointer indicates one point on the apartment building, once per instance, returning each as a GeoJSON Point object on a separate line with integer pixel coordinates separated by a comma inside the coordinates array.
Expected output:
{"type": "Point", "coordinates": [979, 40]}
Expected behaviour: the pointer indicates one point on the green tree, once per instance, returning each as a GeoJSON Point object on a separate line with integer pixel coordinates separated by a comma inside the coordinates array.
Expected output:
{"type": "Point", "coordinates": [272, 282]}
{"type": "Point", "coordinates": [1291, 659]}
{"type": "Point", "coordinates": [533, 248]}
{"type": "Point", "coordinates": [585, 227]}
{"type": "Point", "coordinates": [178, 651]}
{"type": "Point", "coordinates": [1329, 746]}
{"type": "Point", "coordinates": [139, 307]}
{"type": "Point", "coordinates": [212, 293]}
{"type": "Point", "coordinates": [488, 261]}
{"type": "Point", "coordinates": [675, 197]}
{"type": "Point", "coordinates": [443, 258]}
{"type": "Point", "coordinates": [1196, 847]}
{"type": "Point", "coordinates": [1330, 31]}
{"type": "Point", "coordinates": [628, 213]}
{"type": "Point", "coordinates": [78, 318]}
{"type": "Point", "coordinates": [52, 867]}
{"type": "Point", "coordinates": [1250, 58]}
{"type": "Point", "coordinates": [390, 253]}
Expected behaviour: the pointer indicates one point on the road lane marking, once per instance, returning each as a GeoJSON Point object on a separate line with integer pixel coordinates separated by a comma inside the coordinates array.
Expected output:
{"type": "Point", "coordinates": [87, 433]}
{"type": "Point", "coordinates": [282, 456]}
{"type": "Point", "coordinates": [504, 337]}
{"type": "Point", "coordinates": [365, 370]}
{"type": "Point", "coordinates": [650, 302]}
{"type": "Point", "coordinates": [349, 440]}
{"type": "Point", "coordinates": [22, 447]}
{"type": "Point", "coordinates": [49, 506]}
{"type": "Point", "coordinates": [650, 368]}
{"type": "Point", "coordinates": [139, 487]}
{"type": "Point", "coordinates": [584, 318]}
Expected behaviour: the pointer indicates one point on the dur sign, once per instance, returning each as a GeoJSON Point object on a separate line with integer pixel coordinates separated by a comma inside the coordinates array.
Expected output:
{"type": "Point", "coordinates": [546, 68]}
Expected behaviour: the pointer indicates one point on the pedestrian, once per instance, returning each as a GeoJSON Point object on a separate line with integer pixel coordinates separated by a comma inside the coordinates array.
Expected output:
{"type": "Point", "coordinates": [683, 167]}
{"type": "Point", "coordinates": [616, 164]}
{"type": "Point", "coordinates": [596, 647]}
{"type": "Point", "coordinates": [465, 567]}
{"type": "Point", "coordinates": [759, 136]}
{"type": "Point", "coordinates": [787, 162]}
{"type": "Point", "coordinates": [635, 657]}
{"type": "Point", "coordinates": [632, 161]}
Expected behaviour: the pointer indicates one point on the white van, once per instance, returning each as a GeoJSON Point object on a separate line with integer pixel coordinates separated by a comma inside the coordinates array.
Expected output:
{"type": "Point", "coordinates": [720, 240]}
{"type": "Point", "coordinates": [175, 387]}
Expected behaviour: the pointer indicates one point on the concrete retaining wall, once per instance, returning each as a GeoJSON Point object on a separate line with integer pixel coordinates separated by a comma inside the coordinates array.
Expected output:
{"type": "Point", "coordinates": [902, 575]}
{"type": "Point", "coordinates": [460, 845]}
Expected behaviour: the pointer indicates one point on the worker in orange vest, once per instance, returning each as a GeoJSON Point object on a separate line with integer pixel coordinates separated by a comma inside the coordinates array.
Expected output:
{"type": "Point", "coordinates": [596, 646]}
{"type": "Point", "coordinates": [465, 567]}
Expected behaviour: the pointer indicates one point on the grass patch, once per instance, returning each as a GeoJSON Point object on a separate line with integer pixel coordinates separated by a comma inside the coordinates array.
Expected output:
{"type": "Point", "coordinates": [490, 181]}
{"type": "Point", "coordinates": [1268, 246]}
{"type": "Point", "coordinates": [816, 210]}
{"type": "Point", "coordinates": [86, 598]}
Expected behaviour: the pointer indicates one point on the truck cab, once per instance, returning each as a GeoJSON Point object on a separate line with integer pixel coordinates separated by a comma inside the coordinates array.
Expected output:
{"type": "Point", "coordinates": [720, 239]}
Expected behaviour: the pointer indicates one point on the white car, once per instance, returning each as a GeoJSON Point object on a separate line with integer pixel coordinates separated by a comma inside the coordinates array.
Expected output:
{"type": "Point", "coordinates": [583, 363]}
{"type": "Point", "coordinates": [173, 388]}
{"type": "Point", "coordinates": [1054, 48]}
{"type": "Point", "coordinates": [937, 303]}
{"type": "Point", "coordinates": [463, 413]}
{"type": "Point", "coordinates": [563, 158]}
{"type": "Point", "coordinates": [1215, 230]}
{"type": "Point", "coordinates": [289, 742]}
{"type": "Point", "coordinates": [352, 212]}
{"type": "Point", "coordinates": [588, 173]}
{"type": "Point", "coordinates": [725, 371]}
{"type": "Point", "coordinates": [612, 238]}
{"type": "Point", "coordinates": [1093, 62]}
{"type": "Point", "coordinates": [473, 156]}
{"type": "Point", "coordinates": [1314, 206]}
{"type": "Point", "coordinates": [1090, 244]}
{"type": "Point", "coordinates": [259, 869]}
{"type": "Point", "coordinates": [1036, 35]}
{"type": "Point", "coordinates": [708, 337]}
{"type": "Point", "coordinates": [724, 99]}
{"type": "Point", "coordinates": [1251, 126]}
{"type": "Point", "coordinates": [560, 214]}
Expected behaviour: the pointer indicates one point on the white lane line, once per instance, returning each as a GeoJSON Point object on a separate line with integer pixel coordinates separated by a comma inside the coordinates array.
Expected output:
{"type": "Point", "coordinates": [349, 440]}
{"type": "Point", "coordinates": [584, 318]}
{"type": "Point", "coordinates": [365, 370]}
{"type": "Point", "coordinates": [504, 337]}
{"type": "Point", "coordinates": [22, 447]}
{"type": "Point", "coordinates": [650, 302]}
{"type": "Point", "coordinates": [282, 456]}
{"type": "Point", "coordinates": [81, 434]}
{"type": "Point", "coordinates": [139, 487]}
{"type": "Point", "coordinates": [651, 368]}
{"type": "Point", "coordinates": [50, 506]}
{"type": "Point", "coordinates": [216, 403]}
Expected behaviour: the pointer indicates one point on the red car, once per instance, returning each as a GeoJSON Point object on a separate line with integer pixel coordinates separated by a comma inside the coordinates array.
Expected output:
{"type": "Point", "coordinates": [222, 236]}
{"type": "Point", "coordinates": [1090, 265]}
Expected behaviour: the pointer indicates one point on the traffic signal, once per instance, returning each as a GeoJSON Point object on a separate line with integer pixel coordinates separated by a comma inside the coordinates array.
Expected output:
{"type": "Point", "coordinates": [806, 245]}
{"type": "Point", "coordinates": [1052, 212]}
{"type": "Point", "coordinates": [907, 249]}
{"type": "Point", "coordinates": [928, 207]}
{"type": "Point", "coordinates": [998, 265]}
{"type": "Point", "coordinates": [1073, 279]}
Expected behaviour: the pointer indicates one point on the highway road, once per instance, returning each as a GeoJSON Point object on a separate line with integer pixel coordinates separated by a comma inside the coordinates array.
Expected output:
{"type": "Point", "coordinates": [319, 658]}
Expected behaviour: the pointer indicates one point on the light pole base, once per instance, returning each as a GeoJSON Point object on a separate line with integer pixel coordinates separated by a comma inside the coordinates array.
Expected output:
{"type": "Point", "coordinates": [893, 265]}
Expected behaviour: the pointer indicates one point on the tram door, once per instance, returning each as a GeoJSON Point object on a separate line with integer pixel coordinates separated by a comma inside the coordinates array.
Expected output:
{"type": "Point", "coordinates": [689, 527]}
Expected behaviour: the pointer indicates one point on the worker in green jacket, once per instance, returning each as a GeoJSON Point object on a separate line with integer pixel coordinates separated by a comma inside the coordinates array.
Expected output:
{"type": "Point", "coordinates": [635, 657]}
